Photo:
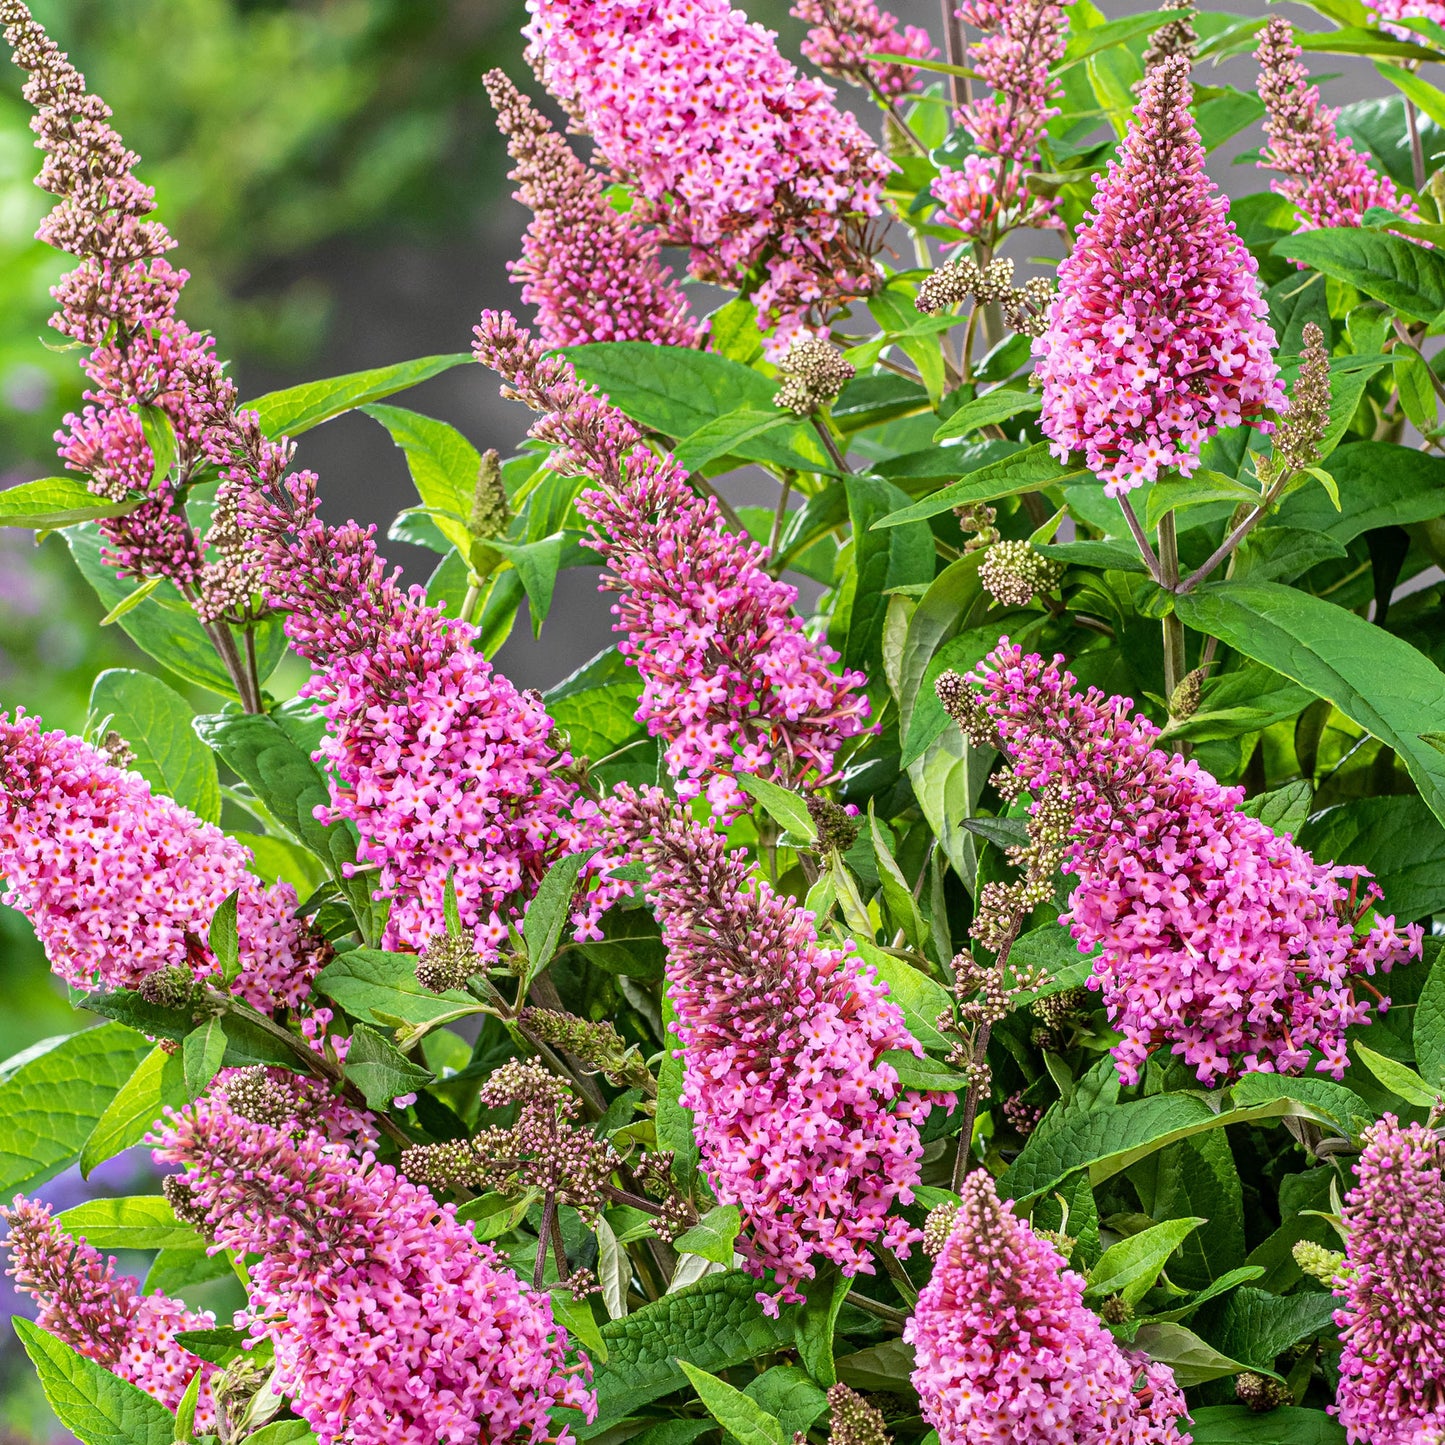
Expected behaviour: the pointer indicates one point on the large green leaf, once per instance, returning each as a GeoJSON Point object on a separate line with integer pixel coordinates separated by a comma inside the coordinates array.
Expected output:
{"type": "Point", "coordinates": [156, 721]}
{"type": "Point", "coordinates": [1024, 471]}
{"type": "Point", "coordinates": [98, 1408]}
{"type": "Point", "coordinates": [55, 502]}
{"type": "Point", "coordinates": [143, 1221]}
{"type": "Point", "coordinates": [158, 1082]}
{"type": "Point", "coordinates": [743, 1418]}
{"type": "Point", "coordinates": [1196, 1177]}
{"type": "Point", "coordinates": [1430, 1023]}
{"type": "Point", "coordinates": [49, 1106]}
{"type": "Point", "coordinates": [1381, 484]}
{"type": "Point", "coordinates": [1130, 1267]}
{"type": "Point", "coordinates": [370, 984]}
{"type": "Point", "coordinates": [1239, 1425]}
{"type": "Point", "coordinates": [1256, 1327]}
{"type": "Point", "coordinates": [678, 391]}
{"type": "Point", "coordinates": [1404, 275]}
{"type": "Point", "coordinates": [713, 1324]}
{"type": "Point", "coordinates": [898, 557]}
{"type": "Point", "coordinates": [444, 467]}
{"type": "Point", "coordinates": [1397, 838]}
{"type": "Point", "coordinates": [989, 409]}
{"type": "Point", "coordinates": [1376, 679]}
{"type": "Point", "coordinates": [299, 408]}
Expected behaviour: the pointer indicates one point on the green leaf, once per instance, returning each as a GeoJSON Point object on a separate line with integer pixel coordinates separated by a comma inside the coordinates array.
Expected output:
{"type": "Point", "coordinates": [282, 1432]}
{"type": "Point", "coordinates": [156, 721]}
{"type": "Point", "coordinates": [744, 1420]}
{"type": "Point", "coordinates": [723, 435]}
{"type": "Point", "coordinates": [576, 1317]}
{"type": "Point", "coordinates": [246, 1042]}
{"type": "Point", "coordinates": [1256, 1327]}
{"type": "Point", "coordinates": [989, 409]}
{"type": "Point", "coordinates": [714, 1324]}
{"type": "Point", "coordinates": [224, 936]}
{"type": "Point", "coordinates": [676, 1128]}
{"type": "Point", "coordinates": [157, 1083]}
{"type": "Point", "coordinates": [782, 805]}
{"type": "Point", "coordinates": [1193, 1361]}
{"type": "Point", "coordinates": [219, 1345]}
{"type": "Point", "coordinates": [886, 1367]}
{"type": "Point", "coordinates": [925, 1074]}
{"type": "Point", "coordinates": [164, 625]}
{"type": "Point", "coordinates": [1398, 1078]}
{"type": "Point", "coordinates": [536, 563]}
{"type": "Point", "coordinates": [549, 911]}
{"type": "Point", "coordinates": [899, 557]}
{"type": "Point", "coordinates": [1327, 1102]}
{"type": "Point", "coordinates": [1239, 1425]}
{"type": "Point", "coordinates": [175, 1271]}
{"type": "Point", "coordinates": [1025, 471]}
{"type": "Point", "coordinates": [299, 408]}
{"type": "Point", "coordinates": [1381, 484]}
{"type": "Point", "coordinates": [131, 599]}
{"type": "Point", "coordinates": [53, 502]}
{"type": "Point", "coordinates": [444, 466]}
{"type": "Point", "coordinates": [380, 1070]}
{"type": "Point", "coordinates": [1174, 492]}
{"type": "Point", "coordinates": [1282, 809]}
{"type": "Point", "coordinates": [201, 1052]}
{"type": "Point", "coordinates": [1397, 838]}
{"type": "Point", "coordinates": [815, 1321]}
{"type": "Point", "coordinates": [370, 984]}
{"type": "Point", "coordinates": [1130, 1267]}
{"type": "Point", "coordinates": [160, 435]}
{"type": "Point", "coordinates": [96, 1407]}
{"type": "Point", "coordinates": [787, 1393]}
{"type": "Point", "coordinates": [144, 1221]}
{"type": "Point", "coordinates": [1430, 1025]}
{"type": "Point", "coordinates": [1376, 679]}
{"type": "Point", "coordinates": [897, 894]}
{"type": "Point", "coordinates": [713, 1235]}
{"type": "Point", "coordinates": [49, 1106]}
{"type": "Point", "coordinates": [1407, 277]}
{"type": "Point", "coordinates": [919, 997]}
{"type": "Point", "coordinates": [677, 390]}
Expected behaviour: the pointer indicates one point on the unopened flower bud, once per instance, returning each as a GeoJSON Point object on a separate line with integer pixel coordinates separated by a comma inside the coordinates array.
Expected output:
{"type": "Point", "coordinates": [837, 827]}
{"type": "Point", "coordinates": [1014, 573]}
{"type": "Point", "coordinates": [1184, 700]}
{"type": "Point", "coordinates": [446, 963]}
{"type": "Point", "coordinates": [490, 513]}
{"type": "Point", "coordinates": [1261, 1393]}
{"type": "Point", "coordinates": [813, 374]}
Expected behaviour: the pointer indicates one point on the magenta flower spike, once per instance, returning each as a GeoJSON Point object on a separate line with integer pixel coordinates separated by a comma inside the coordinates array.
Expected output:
{"type": "Point", "coordinates": [801, 1121]}
{"type": "Point", "coordinates": [1217, 935]}
{"type": "Point", "coordinates": [120, 883]}
{"type": "Point", "coordinates": [1021, 42]}
{"type": "Point", "coordinates": [845, 31]}
{"type": "Point", "coordinates": [1391, 12]}
{"type": "Point", "coordinates": [1392, 1283]}
{"type": "Point", "coordinates": [1008, 1354]}
{"type": "Point", "coordinates": [103, 1316]}
{"type": "Point", "coordinates": [1322, 174]}
{"type": "Point", "coordinates": [1158, 336]}
{"type": "Point", "coordinates": [732, 153]}
{"type": "Point", "coordinates": [732, 682]}
{"type": "Point", "coordinates": [591, 274]}
{"type": "Point", "coordinates": [392, 1325]}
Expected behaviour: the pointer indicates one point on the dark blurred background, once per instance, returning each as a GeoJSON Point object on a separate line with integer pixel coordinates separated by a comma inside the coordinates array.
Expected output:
{"type": "Point", "coordinates": [339, 192]}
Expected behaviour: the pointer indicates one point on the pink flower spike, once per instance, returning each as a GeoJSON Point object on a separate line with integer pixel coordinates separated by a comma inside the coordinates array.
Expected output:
{"type": "Point", "coordinates": [120, 883]}
{"type": "Point", "coordinates": [1393, 11]}
{"type": "Point", "coordinates": [1158, 336]}
{"type": "Point", "coordinates": [1392, 1284]}
{"type": "Point", "coordinates": [730, 151]}
{"type": "Point", "coordinates": [1323, 176]}
{"type": "Point", "coordinates": [105, 1318]}
{"type": "Point", "coordinates": [391, 1324]}
{"type": "Point", "coordinates": [1216, 934]}
{"type": "Point", "coordinates": [846, 31]}
{"type": "Point", "coordinates": [591, 273]}
{"type": "Point", "coordinates": [1008, 1354]}
{"type": "Point", "coordinates": [801, 1121]}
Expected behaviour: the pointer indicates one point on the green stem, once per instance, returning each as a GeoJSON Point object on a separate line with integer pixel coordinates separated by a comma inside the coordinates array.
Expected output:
{"type": "Point", "coordinates": [1174, 660]}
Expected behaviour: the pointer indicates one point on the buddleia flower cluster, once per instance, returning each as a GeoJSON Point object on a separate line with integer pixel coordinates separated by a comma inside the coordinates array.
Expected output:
{"type": "Point", "coordinates": [844, 35]}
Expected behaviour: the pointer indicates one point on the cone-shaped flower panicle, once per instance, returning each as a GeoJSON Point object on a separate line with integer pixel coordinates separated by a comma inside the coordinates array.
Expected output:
{"type": "Point", "coordinates": [103, 1316]}
{"type": "Point", "coordinates": [801, 1121]}
{"type": "Point", "coordinates": [1021, 42]}
{"type": "Point", "coordinates": [149, 373]}
{"type": "Point", "coordinates": [845, 32]}
{"type": "Point", "coordinates": [442, 765]}
{"type": "Point", "coordinates": [733, 154]}
{"type": "Point", "coordinates": [392, 1325]}
{"type": "Point", "coordinates": [1320, 172]}
{"type": "Point", "coordinates": [1158, 336]}
{"type": "Point", "coordinates": [1008, 1354]}
{"type": "Point", "coordinates": [591, 274]}
{"type": "Point", "coordinates": [1391, 12]}
{"type": "Point", "coordinates": [1217, 935]}
{"type": "Point", "coordinates": [1392, 1371]}
{"type": "Point", "coordinates": [732, 683]}
{"type": "Point", "coordinates": [119, 883]}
